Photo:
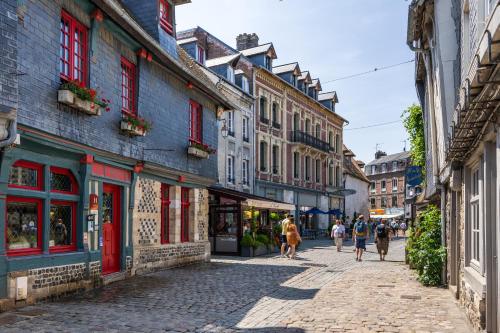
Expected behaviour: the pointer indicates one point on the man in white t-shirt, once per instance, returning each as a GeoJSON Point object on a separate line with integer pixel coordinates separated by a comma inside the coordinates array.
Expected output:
{"type": "Point", "coordinates": [338, 233]}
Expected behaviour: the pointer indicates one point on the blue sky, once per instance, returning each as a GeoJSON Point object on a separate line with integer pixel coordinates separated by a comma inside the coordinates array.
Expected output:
{"type": "Point", "coordinates": [331, 39]}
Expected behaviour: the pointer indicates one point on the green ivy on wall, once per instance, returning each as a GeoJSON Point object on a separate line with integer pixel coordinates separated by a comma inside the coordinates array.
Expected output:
{"type": "Point", "coordinates": [413, 121]}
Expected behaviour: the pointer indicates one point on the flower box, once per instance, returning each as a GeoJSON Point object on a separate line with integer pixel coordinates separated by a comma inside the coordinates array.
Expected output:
{"type": "Point", "coordinates": [197, 152]}
{"type": "Point", "coordinates": [67, 97]}
{"type": "Point", "coordinates": [131, 129]}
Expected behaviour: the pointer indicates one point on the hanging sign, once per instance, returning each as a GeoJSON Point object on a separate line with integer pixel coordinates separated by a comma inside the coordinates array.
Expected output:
{"type": "Point", "coordinates": [413, 176]}
{"type": "Point", "coordinates": [93, 202]}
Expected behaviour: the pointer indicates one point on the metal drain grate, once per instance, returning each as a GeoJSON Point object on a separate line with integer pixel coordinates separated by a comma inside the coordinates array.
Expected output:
{"type": "Point", "coordinates": [414, 297]}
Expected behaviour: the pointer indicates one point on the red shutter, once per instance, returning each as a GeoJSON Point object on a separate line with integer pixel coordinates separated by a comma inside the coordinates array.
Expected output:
{"type": "Point", "coordinates": [166, 16]}
{"type": "Point", "coordinates": [165, 214]}
{"type": "Point", "coordinates": [184, 214]}
{"type": "Point", "coordinates": [195, 122]}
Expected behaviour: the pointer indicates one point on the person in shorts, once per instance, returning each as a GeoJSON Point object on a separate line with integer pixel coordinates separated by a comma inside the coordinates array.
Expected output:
{"type": "Point", "coordinates": [284, 228]}
{"type": "Point", "coordinates": [382, 238]}
{"type": "Point", "coordinates": [360, 232]}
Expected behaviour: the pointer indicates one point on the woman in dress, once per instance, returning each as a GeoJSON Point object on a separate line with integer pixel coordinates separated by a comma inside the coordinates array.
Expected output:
{"type": "Point", "coordinates": [292, 239]}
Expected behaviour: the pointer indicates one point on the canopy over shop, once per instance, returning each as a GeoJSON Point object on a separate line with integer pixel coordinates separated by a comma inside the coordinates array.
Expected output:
{"type": "Point", "coordinates": [233, 212]}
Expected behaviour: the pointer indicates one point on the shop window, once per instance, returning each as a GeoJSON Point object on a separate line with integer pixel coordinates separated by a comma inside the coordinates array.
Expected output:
{"type": "Point", "coordinates": [62, 226]}
{"type": "Point", "coordinates": [72, 49]}
{"type": "Point", "coordinates": [196, 122]}
{"type": "Point", "coordinates": [62, 181]}
{"type": "Point", "coordinates": [185, 214]}
{"type": "Point", "coordinates": [24, 226]}
{"type": "Point", "coordinates": [166, 17]}
{"type": "Point", "coordinates": [26, 175]}
{"type": "Point", "coordinates": [128, 87]}
{"type": "Point", "coordinates": [165, 213]}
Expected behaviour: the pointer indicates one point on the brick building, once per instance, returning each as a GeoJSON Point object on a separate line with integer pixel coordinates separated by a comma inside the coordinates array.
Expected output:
{"type": "Point", "coordinates": [90, 192]}
{"type": "Point", "coordinates": [387, 180]}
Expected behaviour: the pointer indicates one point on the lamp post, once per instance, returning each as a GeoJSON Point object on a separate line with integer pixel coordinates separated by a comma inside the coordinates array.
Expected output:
{"type": "Point", "coordinates": [344, 179]}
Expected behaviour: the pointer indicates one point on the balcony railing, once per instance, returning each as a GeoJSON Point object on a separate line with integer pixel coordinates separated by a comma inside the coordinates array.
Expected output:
{"type": "Point", "coordinates": [276, 125]}
{"type": "Point", "coordinates": [264, 120]}
{"type": "Point", "coordinates": [307, 139]}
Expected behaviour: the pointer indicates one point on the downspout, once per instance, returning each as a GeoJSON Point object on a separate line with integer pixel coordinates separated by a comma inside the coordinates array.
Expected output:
{"type": "Point", "coordinates": [444, 272]}
{"type": "Point", "coordinates": [12, 130]}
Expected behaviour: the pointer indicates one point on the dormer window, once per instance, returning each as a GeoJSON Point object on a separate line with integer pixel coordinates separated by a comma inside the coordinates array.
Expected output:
{"type": "Point", "coordinates": [269, 63]}
{"type": "Point", "coordinates": [230, 74]}
{"type": "Point", "coordinates": [306, 86]}
{"type": "Point", "coordinates": [200, 54]}
{"type": "Point", "coordinates": [166, 17]}
{"type": "Point", "coordinates": [294, 80]}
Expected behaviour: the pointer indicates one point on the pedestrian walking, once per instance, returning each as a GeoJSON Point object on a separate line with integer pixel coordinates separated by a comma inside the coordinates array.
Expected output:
{"type": "Point", "coordinates": [293, 239]}
{"type": "Point", "coordinates": [394, 228]}
{"type": "Point", "coordinates": [284, 227]}
{"type": "Point", "coordinates": [360, 233]}
{"type": "Point", "coordinates": [338, 234]}
{"type": "Point", "coordinates": [403, 228]}
{"type": "Point", "coordinates": [382, 239]}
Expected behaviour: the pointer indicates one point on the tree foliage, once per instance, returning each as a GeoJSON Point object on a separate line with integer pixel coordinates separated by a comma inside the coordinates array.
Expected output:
{"type": "Point", "coordinates": [424, 248]}
{"type": "Point", "coordinates": [413, 121]}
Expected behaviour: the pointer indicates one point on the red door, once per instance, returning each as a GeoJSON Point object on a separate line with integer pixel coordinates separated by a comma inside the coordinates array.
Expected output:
{"type": "Point", "coordinates": [111, 209]}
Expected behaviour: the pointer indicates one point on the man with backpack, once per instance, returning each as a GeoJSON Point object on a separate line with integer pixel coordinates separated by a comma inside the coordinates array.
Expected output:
{"type": "Point", "coordinates": [382, 232]}
{"type": "Point", "coordinates": [360, 232]}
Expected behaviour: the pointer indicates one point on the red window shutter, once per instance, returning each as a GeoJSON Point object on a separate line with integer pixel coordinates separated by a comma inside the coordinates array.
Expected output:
{"type": "Point", "coordinates": [184, 214]}
{"type": "Point", "coordinates": [195, 122]}
{"type": "Point", "coordinates": [73, 49]}
{"type": "Point", "coordinates": [128, 87]}
{"type": "Point", "coordinates": [165, 214]}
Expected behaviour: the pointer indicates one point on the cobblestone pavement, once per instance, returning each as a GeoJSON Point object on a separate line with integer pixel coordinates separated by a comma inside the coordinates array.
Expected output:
{"type": "Point", "coordinates": [322, 291]}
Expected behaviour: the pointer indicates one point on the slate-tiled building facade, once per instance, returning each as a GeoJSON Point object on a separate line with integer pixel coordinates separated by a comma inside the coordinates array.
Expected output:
{"type": "Point", "coordinates": [90, 193]}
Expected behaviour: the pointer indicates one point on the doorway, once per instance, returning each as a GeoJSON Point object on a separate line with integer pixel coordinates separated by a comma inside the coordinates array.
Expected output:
{"type": "Point", "coordinates": [111, 220]}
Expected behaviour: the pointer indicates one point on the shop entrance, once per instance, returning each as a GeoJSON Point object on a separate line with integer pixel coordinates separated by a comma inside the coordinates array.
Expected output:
{"type": "Point", "coordinates": [111, 218]}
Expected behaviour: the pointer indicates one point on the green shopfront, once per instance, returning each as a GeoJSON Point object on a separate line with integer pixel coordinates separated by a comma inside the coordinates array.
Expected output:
{"type": "Point", "coordinates": [67, 221]}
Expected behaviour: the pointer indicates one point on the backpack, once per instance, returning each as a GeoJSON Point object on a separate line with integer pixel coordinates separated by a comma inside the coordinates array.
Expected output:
{"type": "Point", "coordinates": [360, 228]}
{"type": "Point", "coordinates": [381, 232]}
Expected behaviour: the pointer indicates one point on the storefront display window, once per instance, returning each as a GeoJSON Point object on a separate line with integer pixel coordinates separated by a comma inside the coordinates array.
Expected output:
{"type": "Point", "coordinates": [62, 225]}
{"type": "Point", "coordinates": [23, 225]}
{"type": "Point", "coordinates": [26, 175]}
{"type": "Point", "coordinates": [62, 181]}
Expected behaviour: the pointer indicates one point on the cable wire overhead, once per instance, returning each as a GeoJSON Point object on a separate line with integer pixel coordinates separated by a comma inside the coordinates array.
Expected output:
{"type": "Point", "coordinates": [375, 125]}
{"type": "Point", "coordinates": [376, 69]}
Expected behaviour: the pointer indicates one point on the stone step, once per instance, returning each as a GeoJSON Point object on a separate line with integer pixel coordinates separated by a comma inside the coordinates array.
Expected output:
{"type": "Point", "coordinates": [113, 277]}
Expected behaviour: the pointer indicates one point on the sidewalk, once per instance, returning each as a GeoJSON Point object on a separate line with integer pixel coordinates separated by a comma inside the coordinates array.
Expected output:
{"type": "Point", "coordinates": [379, 296]}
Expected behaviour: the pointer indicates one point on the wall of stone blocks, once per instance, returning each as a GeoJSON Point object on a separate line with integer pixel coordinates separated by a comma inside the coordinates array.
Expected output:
{"type": "Point", "coordinates": [56, 281]}
{"type": "Point", "coordinates": [149, 253]}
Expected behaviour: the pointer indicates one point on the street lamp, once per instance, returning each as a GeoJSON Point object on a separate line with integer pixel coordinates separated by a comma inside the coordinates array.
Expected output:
{"type": "Point", "coordinates": [224, 130]}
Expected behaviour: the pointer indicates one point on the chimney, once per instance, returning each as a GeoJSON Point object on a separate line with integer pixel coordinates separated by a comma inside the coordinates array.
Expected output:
{"type": "Point", "coordinates": [379, 154]}
{"type": "Point", "coordinates": [246, 41]}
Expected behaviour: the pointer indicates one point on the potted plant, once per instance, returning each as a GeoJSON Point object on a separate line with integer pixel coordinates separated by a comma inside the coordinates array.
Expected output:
{"type": "Point", "coordinates": [265, 247]}
{"type": "Point", "coordinates": [76, 95]}
{"type": "Point", "coordinates": [134, 125]}
{"type": "Point", "coordinates": [247, 244]}
{"type": "Point", "coordinates": [200, 150]}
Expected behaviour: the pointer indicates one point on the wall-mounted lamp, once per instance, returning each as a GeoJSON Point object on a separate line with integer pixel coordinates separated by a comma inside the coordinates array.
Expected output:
{"type": "Point", "coordinates": [189, 85]}
{"type": "Point", "coordinates": [224, 130]}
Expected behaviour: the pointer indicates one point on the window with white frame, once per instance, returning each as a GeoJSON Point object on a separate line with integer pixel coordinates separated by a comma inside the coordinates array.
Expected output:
{"type": "Point", "coordinates": [230, 74]}
{"type": "Point", "coordinates": [330, 174]}
{"type": "Point", "coordinates": [372, 187]}
{"type": "Point", "coordinates": [394, 184]}
{"type": "Point", "coordinates": [200, 54]}
{"type": "Point", "coordinates": [475, 222]}
{"type": "Point", "coordinates": [230, 123]}
{"type": "Point", "coordinates": [317, 170]}
{"type": "Point", "coordinates": [244, 84]}
{"type": "Point", "coordinates": [230, 169]}
{"type": "Point", "coordinates": [296, 165]}
{"type": "Point", "coordinates": [394, 165]}
{"type": "Point", "coordinates": [384, 167]}
{"type": "Point", "coordinates": [244, 130]}
{"type": "Point", "coordinates": [275, 159]}
{"type": "Point", "coordinates": [307, 169]}
{"type": "Point", "coordinates": [383, 186]}
{"type": "Point", "coordinates": [245, 170]}
{"type": "Point", "coordinates": [374, 169]}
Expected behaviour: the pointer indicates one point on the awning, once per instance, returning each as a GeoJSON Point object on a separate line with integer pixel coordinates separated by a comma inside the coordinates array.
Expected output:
{"type": "Point", "coordinates": [251, 200]}
{"type": "Point", "coordinates": [266, 204]}
{"type": "Point", "coordinates": [386, 216]}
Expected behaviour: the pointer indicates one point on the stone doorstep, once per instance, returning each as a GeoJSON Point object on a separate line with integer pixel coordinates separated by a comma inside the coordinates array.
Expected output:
{"type": "Point", "coordinates": [114, 277]}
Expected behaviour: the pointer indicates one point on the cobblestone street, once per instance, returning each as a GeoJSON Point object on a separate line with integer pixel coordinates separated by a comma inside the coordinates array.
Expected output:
{"type": "Point", "coordinates": [323, 291]}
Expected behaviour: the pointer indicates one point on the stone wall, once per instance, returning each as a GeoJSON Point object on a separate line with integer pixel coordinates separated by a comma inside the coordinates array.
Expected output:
{"type": "Point", "coordinates": [149, 252]}
{"type": "Point", "coordinates": [56, 281]}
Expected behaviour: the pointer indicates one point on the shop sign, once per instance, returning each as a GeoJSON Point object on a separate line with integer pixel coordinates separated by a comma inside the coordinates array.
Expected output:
{"type": "Point", "coordinates": [94, 202]}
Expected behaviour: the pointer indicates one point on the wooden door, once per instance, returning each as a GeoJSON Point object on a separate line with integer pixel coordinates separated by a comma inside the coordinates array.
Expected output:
{"type": "Point", "coordinates": [111, 217]}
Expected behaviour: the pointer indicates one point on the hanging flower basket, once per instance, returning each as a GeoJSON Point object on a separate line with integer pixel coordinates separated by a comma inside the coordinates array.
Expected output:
{"type": "Point", "coordinates": [134, 125]}
{"type": "Point", "coordinates": [200, 150]}
{"type": "Point", "coordinates": [77, 96]}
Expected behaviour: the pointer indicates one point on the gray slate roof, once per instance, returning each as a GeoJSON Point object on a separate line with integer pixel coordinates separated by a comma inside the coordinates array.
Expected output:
{"type": "Point", "coordinates": [328, 96]}
{"type": "Point", "coordinates": [305, 75]}
{"type": "Point", "coordinates": [286, 68]}
{"type": "Point", "coordinates": [390, 158]}
{"type": "Point", "coordinates": [264, 48]}
{"type": "Point", "coordinates": [222, 60]}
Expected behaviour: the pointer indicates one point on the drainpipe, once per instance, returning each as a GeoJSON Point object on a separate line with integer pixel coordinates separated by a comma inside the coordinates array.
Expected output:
{"type": "Point", "coordinates": [444, 272]}
{"type": "Point", "coordinates": [12, 134]}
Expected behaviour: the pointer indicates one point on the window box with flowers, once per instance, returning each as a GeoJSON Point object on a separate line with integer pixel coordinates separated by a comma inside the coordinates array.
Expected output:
{"type": "Point", "coordinates": [200, 150]}
{"type": "Point", "coordinates": [76, 95]}
{"type": "Point", "coordinates": [134, 125]}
